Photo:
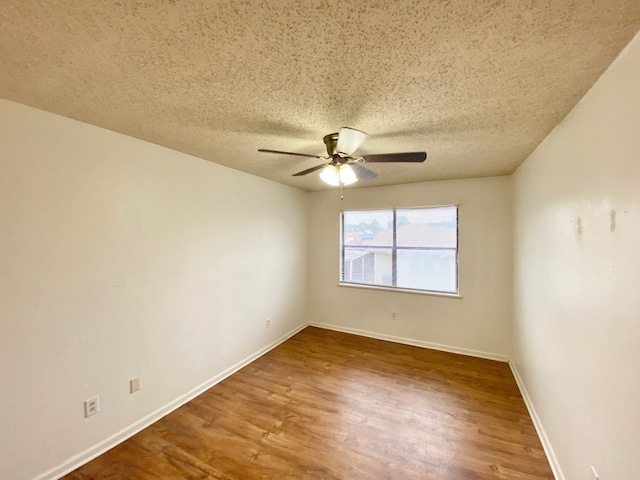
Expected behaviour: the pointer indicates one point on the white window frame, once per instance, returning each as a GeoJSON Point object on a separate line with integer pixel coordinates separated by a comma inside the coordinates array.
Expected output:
{"type": "Point", "coordinates": [394, 249]}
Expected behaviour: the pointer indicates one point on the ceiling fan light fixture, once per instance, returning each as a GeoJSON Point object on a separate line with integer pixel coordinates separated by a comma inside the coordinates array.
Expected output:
{"type": "Point", "coordinates": [335, 175]}
{"type": "Point", "coordinates": [347, 175]}
{"type": "Point", "coordinates": [330, 175]}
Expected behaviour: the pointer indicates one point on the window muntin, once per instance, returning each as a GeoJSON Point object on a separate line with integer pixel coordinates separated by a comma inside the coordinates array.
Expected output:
{"type": "Point", "coordinates": [404, 248]}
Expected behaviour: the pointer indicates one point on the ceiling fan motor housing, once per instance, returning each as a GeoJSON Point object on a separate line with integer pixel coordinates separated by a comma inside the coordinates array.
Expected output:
{"type": "Point", "coordinates": [331, 142]}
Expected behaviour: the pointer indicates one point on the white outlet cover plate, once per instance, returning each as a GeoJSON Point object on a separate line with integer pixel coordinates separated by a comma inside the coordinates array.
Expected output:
{"type": "Point", "coordinates": [134, 385]}
{"type": "Point", "coordinates": [91, 406]}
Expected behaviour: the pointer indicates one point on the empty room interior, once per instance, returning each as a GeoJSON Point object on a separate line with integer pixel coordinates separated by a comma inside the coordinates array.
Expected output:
{"type": "Point", "coordinates": [328, 239]}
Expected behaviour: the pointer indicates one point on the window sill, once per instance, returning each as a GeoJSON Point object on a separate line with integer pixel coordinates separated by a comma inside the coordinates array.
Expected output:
{"type": "Point", "coordinates": [400, 290]}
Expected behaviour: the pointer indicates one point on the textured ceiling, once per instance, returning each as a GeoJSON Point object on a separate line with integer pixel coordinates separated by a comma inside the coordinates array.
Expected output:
{"type": "Point", "coordinates": [477, 84]}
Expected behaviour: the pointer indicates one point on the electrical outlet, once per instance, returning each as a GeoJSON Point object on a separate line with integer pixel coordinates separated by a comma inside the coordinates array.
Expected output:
{"type": "Point", "coordinates": [91, 406]}
{"type": "Point", "coordinates": [594, 475]}
{"type": "Point", "coordinates": [134, 385]}
{"type": "Point", "coordinates": [268, 324]}
{"type": "Point", "coordinates": [394, 316]}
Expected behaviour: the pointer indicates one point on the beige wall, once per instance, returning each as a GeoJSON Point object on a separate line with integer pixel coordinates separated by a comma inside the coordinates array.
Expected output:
{"type": "Point", "coordinates": [119, 259]}
{"type": "Point", "coordinates": [577, 293]}
{"type": "Point", "coordinates": [479, 322]}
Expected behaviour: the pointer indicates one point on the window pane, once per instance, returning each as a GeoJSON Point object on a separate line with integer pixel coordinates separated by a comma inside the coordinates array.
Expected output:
{"type": "Point", "coordinates": [370, 227]}
{"type": "Point", "coordinates": [427, 227]}
{"type": "Point", "coordinates": [370, 266]}
{"type": "Point", "coordinates": [421, 254]}
{"type": "Point", "coordinates": [433, 270]}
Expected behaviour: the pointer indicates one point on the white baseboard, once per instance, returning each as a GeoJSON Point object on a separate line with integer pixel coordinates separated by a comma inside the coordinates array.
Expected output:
{"type": "Point", "coordinates": [415, 343]}
{"type": "Point", "coordinates": [127, 432]}
{"type": "Point", "coordinates": [542, 434]}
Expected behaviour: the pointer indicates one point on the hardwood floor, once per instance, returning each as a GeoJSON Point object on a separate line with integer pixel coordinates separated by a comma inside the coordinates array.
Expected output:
{"type": "Point", "coordinates": [327, 405]}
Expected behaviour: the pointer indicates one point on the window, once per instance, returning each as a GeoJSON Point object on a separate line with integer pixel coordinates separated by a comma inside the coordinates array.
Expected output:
{"type": "Point", "coordinates": [404, 248]}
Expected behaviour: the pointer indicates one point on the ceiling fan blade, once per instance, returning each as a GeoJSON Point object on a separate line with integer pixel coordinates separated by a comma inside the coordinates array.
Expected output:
{"type": "Point", "coordinates": [349, 140]}
{"type": "Point", "coordinates": [363, 173]}
{"type": "Point", "coordinates": [310, 170]}
{"type": "Point", "coordinates": [264, 150]}
{"type": "Point", "coordinates": [396, 157]}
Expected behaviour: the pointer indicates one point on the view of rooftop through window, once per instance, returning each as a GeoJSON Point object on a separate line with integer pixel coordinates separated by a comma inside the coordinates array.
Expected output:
{"type": "Point", "coordinates": [406, 248]}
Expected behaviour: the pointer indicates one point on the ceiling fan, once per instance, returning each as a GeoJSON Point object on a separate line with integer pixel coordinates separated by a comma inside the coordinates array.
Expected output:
{"type": "Point", "coordinates": [341, 167]}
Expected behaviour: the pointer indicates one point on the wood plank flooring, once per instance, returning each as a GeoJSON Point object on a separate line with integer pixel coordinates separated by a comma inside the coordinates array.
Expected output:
{"type": "Point", "coordinates": [328, 405]}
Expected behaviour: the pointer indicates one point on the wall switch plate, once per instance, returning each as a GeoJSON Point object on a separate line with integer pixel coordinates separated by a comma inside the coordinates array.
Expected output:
{"type": "Point", "coordinates": [268, 322]}
{"type": "Point", "coordinates": [91, 406]}
{"type": "Point", "coordinates": [134, 385]}
{"type": "Point", "coordinates": [594, 475]}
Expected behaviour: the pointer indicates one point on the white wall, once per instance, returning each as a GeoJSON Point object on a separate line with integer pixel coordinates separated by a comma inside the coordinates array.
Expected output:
{"type": "Point", "coordinates": [577, 289]}
{"type": "Point", "coordinates": [119, 258]}
{"type": "Point", "coordinates": [479, 322]}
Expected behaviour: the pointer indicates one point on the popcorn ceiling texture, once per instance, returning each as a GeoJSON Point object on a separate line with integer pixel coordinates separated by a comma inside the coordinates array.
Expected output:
{"type": "Point", "coordinates": [477, 84]}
